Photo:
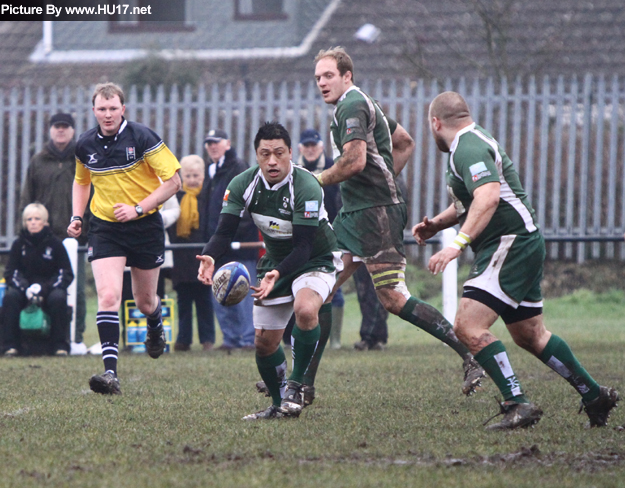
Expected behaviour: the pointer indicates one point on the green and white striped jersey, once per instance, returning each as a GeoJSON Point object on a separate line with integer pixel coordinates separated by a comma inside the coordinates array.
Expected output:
{"type": "Point", "coordinates": [296, 200]}
{"type": "Point", "coordinates": [475, 159]}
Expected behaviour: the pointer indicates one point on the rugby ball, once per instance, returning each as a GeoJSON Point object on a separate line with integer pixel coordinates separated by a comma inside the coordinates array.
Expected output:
{"type": "Point", "coordinates": [231, 283]}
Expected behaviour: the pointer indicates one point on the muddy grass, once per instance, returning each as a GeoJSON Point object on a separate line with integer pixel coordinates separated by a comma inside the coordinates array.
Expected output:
{"type": "Point", "coordinates": [562, 278]}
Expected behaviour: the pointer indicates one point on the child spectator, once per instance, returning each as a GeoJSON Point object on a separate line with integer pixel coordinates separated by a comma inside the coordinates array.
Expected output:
{"type": "Point", "coordinates": [38, 272]}
{"type": "Point", "coordinates": [184, 272]}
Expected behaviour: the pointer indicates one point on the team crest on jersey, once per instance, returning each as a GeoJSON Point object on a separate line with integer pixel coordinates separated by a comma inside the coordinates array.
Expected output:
{"type": "Point", "coordinates": [285, 202]}
{"type": "Point", "coordinates": [479, 171]}
{"type": "Point", "coordinates": [130, 154]}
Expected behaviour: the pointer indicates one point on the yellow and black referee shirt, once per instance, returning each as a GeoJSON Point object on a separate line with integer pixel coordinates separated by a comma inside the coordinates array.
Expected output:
{"type": "Point", "coordinates": [124, 168]}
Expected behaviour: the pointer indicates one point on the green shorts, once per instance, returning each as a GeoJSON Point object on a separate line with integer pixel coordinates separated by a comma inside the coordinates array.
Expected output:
{"type": "Point", "coordinates": [511, 269]}
{"type": "Point", "coordinates": [375, 234]}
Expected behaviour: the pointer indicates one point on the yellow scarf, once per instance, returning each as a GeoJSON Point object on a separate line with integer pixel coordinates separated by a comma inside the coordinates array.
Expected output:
{"type": "Point", "coordinates": [189, 214]}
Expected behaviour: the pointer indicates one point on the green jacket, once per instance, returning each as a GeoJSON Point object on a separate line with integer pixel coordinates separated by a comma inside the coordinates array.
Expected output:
{"type": "Point", "coordinates": [49, 181]}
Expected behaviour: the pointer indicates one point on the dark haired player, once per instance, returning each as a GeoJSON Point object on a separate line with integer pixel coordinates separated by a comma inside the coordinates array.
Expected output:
{"type": "Point", "coordinates": [296, 274]}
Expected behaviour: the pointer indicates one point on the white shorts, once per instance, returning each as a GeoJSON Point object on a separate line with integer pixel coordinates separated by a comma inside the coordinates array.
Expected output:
{"type": "Point", "coordinates": [277, 316]}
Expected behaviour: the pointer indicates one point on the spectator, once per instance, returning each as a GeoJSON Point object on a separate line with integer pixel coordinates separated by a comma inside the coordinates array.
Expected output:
{"type": "Point", "coordinates": [184, 272]}
{"type": "Point", "coordinates": [236, 322]}
{"type": "Point", "coordinates": [39, 272]}
{"type": "Point", "coordinates": [49, 181]}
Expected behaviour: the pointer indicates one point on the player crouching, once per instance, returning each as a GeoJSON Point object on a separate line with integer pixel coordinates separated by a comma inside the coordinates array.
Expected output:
{"type": "Point", "coordinates": [297, 272]}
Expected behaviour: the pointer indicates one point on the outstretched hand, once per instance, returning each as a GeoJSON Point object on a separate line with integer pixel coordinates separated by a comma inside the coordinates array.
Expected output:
{"type": "Point", "coordinates": [266, 285]}
{"type": "Point", "coordinates": [206, 269]}
{"type": "Point", "coordinates": [424, 230]}
{"type": "Point", "coordinates": [441, 259]}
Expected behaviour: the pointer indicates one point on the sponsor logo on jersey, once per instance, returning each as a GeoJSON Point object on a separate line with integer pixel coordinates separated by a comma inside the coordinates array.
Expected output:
{"type": "Point", "coordinates": [159, 259]}
{"type": "Point", "coordinates": [310, 215]}
{"type": "Point", "coordinates": [92, 158]}
{"type": "Point", "coordinates": [226, 195]}
{"type": "Point", "coordinates": [479, 171]}
{"type": "Point", "coordinates": [311, 206]}
{"type": "Point", "coordinates": [352, 123]}
{"type": "Point", "coordinates": [273, 226]}
{"type": "Point", "coordinates": [285, 212]}
{"type": "Point", "coordinates": [130, 154]}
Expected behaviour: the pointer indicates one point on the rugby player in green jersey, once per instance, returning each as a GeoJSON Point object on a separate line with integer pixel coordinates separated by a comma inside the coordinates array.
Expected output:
{"type": "Point", "coordinates": [499, 223]}
{"type": "Point", "coordinates": [297, 273]}
{"type": "Point", "coordinates": [369, 228]}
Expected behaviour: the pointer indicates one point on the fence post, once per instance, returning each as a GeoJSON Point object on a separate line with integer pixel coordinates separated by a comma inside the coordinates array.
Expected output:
{"type": "Point", "coordinates": [450, 280]}
{"type": "Point", "coordinates": [71, 246]}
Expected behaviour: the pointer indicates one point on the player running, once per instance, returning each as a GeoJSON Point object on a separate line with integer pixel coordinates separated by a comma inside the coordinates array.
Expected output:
{"type": "Point", "coordinates": [370, 226]}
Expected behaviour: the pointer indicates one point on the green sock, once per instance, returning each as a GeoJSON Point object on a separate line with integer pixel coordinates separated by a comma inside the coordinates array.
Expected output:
{"type": "Point", "coordinates": [559, 357]}
{"type": "Point", "coordinates": [272, 370]}
{"type": "Point", "coordinates": [429, 319]}
{"type": "Point", "coordinates": [494, 359]}
{"type": "Point", "coordinates": [325, 327]}
{"type": "Point", "coordinates": [304, 345]}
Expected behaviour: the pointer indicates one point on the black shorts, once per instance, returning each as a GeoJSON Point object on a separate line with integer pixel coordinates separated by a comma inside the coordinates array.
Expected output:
{"type": "Point", "coordinates": [508, 314]}
{"type": "Point", "coordinates": [141, 241]}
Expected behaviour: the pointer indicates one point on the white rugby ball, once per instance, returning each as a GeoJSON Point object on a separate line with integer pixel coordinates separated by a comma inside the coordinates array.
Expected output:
{"type": "Point", "coordinates": [231, 283]}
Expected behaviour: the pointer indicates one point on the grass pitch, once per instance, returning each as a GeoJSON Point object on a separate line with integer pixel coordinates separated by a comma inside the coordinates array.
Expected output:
{"type": "Point", "coordinates": [391, 418]}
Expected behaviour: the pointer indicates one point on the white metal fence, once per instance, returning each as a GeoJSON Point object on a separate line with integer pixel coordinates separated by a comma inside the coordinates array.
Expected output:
{"type": "Point", "coordinates": [565, 135]}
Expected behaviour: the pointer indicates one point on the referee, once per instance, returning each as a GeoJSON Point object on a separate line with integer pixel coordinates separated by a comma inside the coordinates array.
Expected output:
{"type": "Point", "coordinates": [132, 172]}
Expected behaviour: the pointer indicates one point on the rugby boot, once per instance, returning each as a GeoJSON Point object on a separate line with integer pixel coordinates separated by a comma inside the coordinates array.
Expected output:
{"type": "Point", "coordinates": [293, 399]}
{"type": "Point", "coordinates": [473, 374]}
{"type": "Point", "coordinates": [106, 383]}
{"type": "Point", "coordinates": [155, 341]}
{"type": "Point", "coordinates": [598, 410]}
{"type": "Point", "coordinates": [309, 394]}
{"type": "Point", "coordinates": [272, 412]}
{"type": "Point", "coordinates": [308, 390]}
{"type": "Point", "coordinates": [516, 415]}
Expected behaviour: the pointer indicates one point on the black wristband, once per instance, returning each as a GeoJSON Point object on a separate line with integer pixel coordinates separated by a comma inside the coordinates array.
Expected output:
{"type": "Point", "coordinates": [75, 218]}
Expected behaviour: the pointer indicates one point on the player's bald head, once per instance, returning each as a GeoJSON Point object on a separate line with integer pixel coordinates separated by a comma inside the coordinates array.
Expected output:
{"type": "Point", "coordinates": [451, 109]}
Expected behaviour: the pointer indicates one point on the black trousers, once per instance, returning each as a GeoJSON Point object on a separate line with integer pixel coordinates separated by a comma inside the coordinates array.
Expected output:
{"type": "Point", "coordinates": [55, 305]}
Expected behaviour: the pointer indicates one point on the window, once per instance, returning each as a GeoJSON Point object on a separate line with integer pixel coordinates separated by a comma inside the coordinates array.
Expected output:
{"type": "Point", "coordinates": [259, 10]}
{"type": "Point", "coordinates": [164, 15]}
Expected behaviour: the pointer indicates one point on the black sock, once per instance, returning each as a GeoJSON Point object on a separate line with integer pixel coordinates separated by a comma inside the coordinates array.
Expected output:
{"type": "Point", "coordinates": [108, 330]}
{"type": "Point", "coordinates": [155, 318]}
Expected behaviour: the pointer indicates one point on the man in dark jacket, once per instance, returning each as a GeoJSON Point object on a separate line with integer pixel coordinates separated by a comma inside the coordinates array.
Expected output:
{"type": "Point", "coordinates": [49, 181]}
{"type": "Point", "coordinates": [236, 322]}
